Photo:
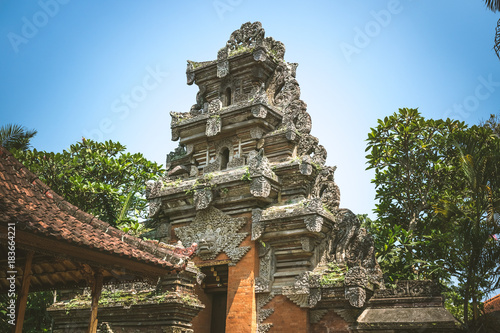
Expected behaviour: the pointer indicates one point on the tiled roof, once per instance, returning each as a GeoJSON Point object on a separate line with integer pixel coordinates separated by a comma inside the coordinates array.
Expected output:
{"type": "Point", "coordinates": [493, 304]}
{"type": "Point", "coordinates": [38, 210]}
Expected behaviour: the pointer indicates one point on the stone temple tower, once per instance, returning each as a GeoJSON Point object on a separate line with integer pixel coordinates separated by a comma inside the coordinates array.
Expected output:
{"type": "Point", "coordinates": [249, 185]}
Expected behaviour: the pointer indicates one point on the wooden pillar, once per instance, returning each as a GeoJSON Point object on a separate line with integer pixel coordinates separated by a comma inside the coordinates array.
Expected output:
{"type": "Point", "coordinates": [22, 297]}
{"type": "Point", "coordinates": [96, 287]}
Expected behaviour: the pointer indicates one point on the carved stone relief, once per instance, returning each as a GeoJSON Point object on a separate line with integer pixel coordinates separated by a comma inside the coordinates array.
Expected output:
{"type": "Point", "coordinates": [260, 187]}
{"type": "Point", "coordinates": [202, 198]}
{"type": "Point", "coordinates": [215, 232]}
{"type": "Point", "coordinates": [326, 189]}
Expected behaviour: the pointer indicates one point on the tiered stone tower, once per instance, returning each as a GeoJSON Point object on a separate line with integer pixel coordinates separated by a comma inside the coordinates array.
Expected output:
{"type": "Point", "coordinates": [249, 184]}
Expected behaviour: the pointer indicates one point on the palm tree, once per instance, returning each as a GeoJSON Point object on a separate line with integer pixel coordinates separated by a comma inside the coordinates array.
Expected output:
{"type": "Point", "coordinates": [494, 6]}
{"type": "Point", "coordinates": [14, 136]}
{"type": "Point", "coordinates": [474, 214]}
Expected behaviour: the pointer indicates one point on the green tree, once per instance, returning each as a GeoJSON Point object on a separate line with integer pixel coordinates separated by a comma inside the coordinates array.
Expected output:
{"type": "Point", "coordinates": [474, 212]}
{"type": "Point", "coordinates": [99, 178]}
{"type": "Point", "coordinates": [494, 6]}
{"type": "Point", "coordinates": [17, 137]}
{"type": "Point", "coordinates": [411, 160]}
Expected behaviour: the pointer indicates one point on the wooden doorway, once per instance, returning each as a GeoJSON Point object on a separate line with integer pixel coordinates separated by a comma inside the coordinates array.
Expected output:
{"type": "Point", "coordinates": [215, 284]}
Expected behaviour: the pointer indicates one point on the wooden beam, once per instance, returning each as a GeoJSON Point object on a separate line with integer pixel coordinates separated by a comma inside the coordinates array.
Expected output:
{"type": "Point", "coordinates": [22, 297]}
{"type": "Point", "coordinates": [96, 288]}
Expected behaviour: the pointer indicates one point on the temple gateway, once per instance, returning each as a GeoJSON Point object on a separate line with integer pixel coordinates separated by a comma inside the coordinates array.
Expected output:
{"type": "Point", "coordinates": [249, 184]}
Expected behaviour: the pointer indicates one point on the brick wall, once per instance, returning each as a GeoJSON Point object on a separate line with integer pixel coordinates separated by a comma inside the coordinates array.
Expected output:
{"type": "Point", "coordinates": [331, 322]}
{"type": "Point", "coordinates": [241, 305]}
{"type": "Point", "coordinates": [287, 317]}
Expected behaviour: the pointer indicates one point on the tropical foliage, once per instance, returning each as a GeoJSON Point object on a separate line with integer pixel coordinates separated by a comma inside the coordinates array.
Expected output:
{"type": "Point", "coordinates": [17, 137]}
{"type": "Point", "coordinates": [438, 190]}
{"type": "Point", "coordinates": [100, 178]}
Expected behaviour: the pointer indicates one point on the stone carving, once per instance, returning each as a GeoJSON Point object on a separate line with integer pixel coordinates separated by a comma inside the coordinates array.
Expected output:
{"type": "Point", "coordinates": [175, 134]}
{"type": "Point", "coordinates": [276, 48]}
{"type": "Point", "coordinates": [193, 171]}
{"type": "Point", "coordinates": [154, 206]}
{"type": "Point", "coordinates": [202, 198]}
{"type": "Point", "coordinates": [307, 244]}
{"type": "Point", "coordinates": [320, 155]}
{"type": "Point", "coordinates": [178, 117]}
{"type": "Point", "coordinates": [259, 111]}
{"type": "Point", "coordinates": [222, 62]}
{"type": "Point", "coordinates": [215, 232]}
{"type": "Point", "coordinates": [266, 269]}
{"type": "Point", "coordinates": [262, 285]}
{"type": "Point", "coordinates": [212, 166]}
{"type": "Point", "coordinates": [259, 164]}
{"type": "Point", "coordinates": [306, 167]}
{"type": "Point", "coordinates": [326, 189]}
{"type": "Point", "coordinates": [314, 223]}
{"type": "Point", "coordinates": [316, 315]}
{"type": "Point", "coordinates": [214, 126]}
{"type": "Point", "coordinates": [236, 161]}
{"type": "Point", "coordinates": [356, 296]}
{"type": "Point", "coordinates": [248, 35]}
{"type": "Point", "coordinates": [259, 96]}
{"type": "Point", "coordinates": [356, 276]}
{"type": "Point", "coordinates": [289, 92]}
{"type": "Point", "coordinates": [197, 108]}
{"type": "Point", "coordinates": [256, 132]}
{"type": "Point", "coordinates": [307, 145]}
{"type": "Point", "coordinates": [297, 117]}
{"type": "Point", "coordinates": [257, 226]}
{"type": "Point", "coordinates": [263, 314]}
{"type": "Point", "coordinates": [260, 187]}
{"type": "Point", "coordinates": [411, 288]}
{"type": "Point", "coordinates": [153, 188]}
{"type": "Point", "coordinates": [214, 106]}
{"type": "Point", "coordinates": [190, 73]}
{"type": "Point", "coordinates": [259, 55]}
{"type": "Point", "coordinates": [301, 293]}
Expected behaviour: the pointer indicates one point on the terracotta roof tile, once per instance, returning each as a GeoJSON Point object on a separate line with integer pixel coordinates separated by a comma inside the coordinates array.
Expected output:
{"type": "Point", "coordinates": [493, 304]}
{"type": "Point", "coordinates": [27, 200]}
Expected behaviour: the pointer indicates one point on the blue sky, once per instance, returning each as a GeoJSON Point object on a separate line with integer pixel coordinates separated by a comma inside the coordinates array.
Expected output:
{"type": "Point", "coordinates": [67, 67]}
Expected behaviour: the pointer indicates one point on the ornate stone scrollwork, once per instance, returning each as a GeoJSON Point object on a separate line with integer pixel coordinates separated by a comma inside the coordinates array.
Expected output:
{"type": "Point", "coordinates": [257, 226]}
{"type": "Point", "coordinates": [326, 189]}
{"type": "Point", "coordinates": [197, 108]}
{"type": "Point", "coordinates": [214, 106]}
{"type": "Point", "coordinates": [259, 111]}
{"type": "Point", "coordinates": [258, 164]}
{"type": "Point", "coordinates": [214, 126]}
{"type": "Point", "coordinates": [222, 62]}
{"type": "Point", "coordinates": [259, 96]}
{"type": "Point", "coordinates": [215, 232]}
{"type": "Point", "coordinates": [154, 206]}
{"type": "Point", "coordinates": [248, 35]}
{"type": "Point", "coordinates": [260, 187]}
{"type": "Point", "coordinates": [263, 314]}
{"type": "Point", "coordinates": [202, 198]}
{"type": "Point", "coordinates": [314, 223]}
{"type": "Point", "coordinates": [276, 48]}
{"type": "Point", "coordinates": [356, 296]}
{"type": "Point", "coordinates": [301, 293]}
{"type": "Point", "coordinates": [266, 269]}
